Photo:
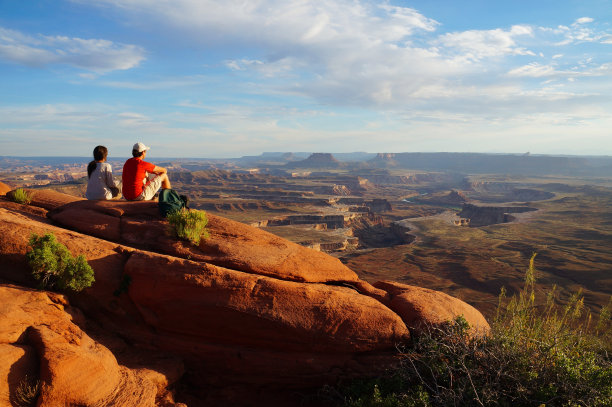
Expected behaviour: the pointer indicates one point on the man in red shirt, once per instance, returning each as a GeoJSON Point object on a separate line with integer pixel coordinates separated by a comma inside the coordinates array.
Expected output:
{"type": "Point", "coordinates": [142, 180]}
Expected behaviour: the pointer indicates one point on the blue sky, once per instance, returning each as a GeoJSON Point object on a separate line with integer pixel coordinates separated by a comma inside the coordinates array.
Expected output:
{"type": "Point", "coordinates": [199, 78]}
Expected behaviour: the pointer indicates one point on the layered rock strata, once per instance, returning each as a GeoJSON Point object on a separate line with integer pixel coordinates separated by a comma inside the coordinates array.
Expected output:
{"type": "Point", "coordinates": [490, 215]}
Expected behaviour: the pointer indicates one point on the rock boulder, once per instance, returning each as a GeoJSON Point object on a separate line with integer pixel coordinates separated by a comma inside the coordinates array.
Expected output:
{"type": "Point", "coordinates": [420, 307]}
{"type": "Point", "coordinates": [231, 244]}
{"type": "Point", "coordinates": [48, 198]}
{"type": "Point", "coordinates": [39, 339]}
{"type": "Point", "coordinates": [227, 320]}
{"type": "Point", "coordinates": [4, 188]}
{"type": "Point", "coordinates": [232, 307]}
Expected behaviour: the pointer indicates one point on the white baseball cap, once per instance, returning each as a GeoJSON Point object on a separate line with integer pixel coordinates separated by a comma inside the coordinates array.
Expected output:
{"type": "Point", "coordinates": [140, 147]}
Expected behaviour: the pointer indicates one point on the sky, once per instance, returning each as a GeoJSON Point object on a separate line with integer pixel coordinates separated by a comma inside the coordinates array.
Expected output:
{"type": "Point", "coordinates": [202, 78]}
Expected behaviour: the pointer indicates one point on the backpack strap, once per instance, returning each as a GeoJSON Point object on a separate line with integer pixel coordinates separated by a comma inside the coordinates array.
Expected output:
{"type": "Point", "coordinates": [185, 200]}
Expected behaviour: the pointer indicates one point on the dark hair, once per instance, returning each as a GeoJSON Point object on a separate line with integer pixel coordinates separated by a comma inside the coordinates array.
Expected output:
{"type": "Point", "coordinates": [136, 153]}
{"type": "Point", "coordinates": [99, 153]}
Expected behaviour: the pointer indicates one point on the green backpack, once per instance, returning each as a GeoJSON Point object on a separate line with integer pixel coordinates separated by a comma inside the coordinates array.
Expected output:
{"type": "Point", "coordinates": [171, 201]}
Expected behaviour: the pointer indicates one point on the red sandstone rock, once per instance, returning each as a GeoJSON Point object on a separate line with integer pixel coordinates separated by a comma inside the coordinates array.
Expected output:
{"type": "Point", "coordinates": [248, 306]}
{"type": "Point", "coordinates": [91, 223]}
{"type": "Point", "coordinates": [231, 244]}
{"type": "Point", "coordinates": [49, 199]}
{"type": "Point", "coordinates": [107, 260]}
{"type": "Point", "coordinates": [74, 369]}
{"type": "Point", "coordinates": [284, 332]}
{"type": "Point", "coordinates": [368, 289]}
{"type": "Point", "coordinates": [4, 188]}
{"type": "Point", "coordinates": [253, 250]}
{"type": "Point", "coordinates": [419, 307]}
{"type": "Point", "coordinates": [19, 363]}
{"type": "Point", "coordinates": [234, 308]}
{"type": "Point", "coordinates": [33, 212]}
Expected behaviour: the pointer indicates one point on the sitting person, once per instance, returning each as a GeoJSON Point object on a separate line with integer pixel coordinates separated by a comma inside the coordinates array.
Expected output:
{"type": "Point", "coordinates": [101, 184]}
{"type": "Point", "coordinates": [142, 180]}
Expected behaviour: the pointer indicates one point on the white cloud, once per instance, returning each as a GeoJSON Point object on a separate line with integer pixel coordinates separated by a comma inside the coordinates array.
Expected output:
{"type": "Point", "coordinates": [351, 52]}
{"type": "Point", "coordinates": [585, 69]}
{"type": "Point", "coordinates": [579, 31]}
{"type": "Point", "coordinates": [281, 21]}
{"type": "Point", "coordinates": [353, 47]}
{"type": "Point", "coordinates": [242, 64]}
{"type": "Point", "coordinates": [584, 20]}
{"type": "Point", "coordinates": [484, 118]}
{"type": "Point", "coordinates": [162, 83]}
{"type": "Point", "coordinates": [51, 115]}
{"type": "Point", "coordinates": [96, 55]}
{"type": "Point", "coordinates": [478, 44]}
{"type": "Point", "coordinates": [533, 70]}
{"type": "Point", "coordinates": [136, 120]}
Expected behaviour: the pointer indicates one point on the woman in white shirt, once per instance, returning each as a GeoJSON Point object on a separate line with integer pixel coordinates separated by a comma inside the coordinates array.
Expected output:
{"type": "Point", "coordinates": [101, 184]}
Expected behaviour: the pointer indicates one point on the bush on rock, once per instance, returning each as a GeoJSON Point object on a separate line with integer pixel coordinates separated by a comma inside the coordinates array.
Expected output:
{"type": "Point", "coordinates": [189, 224]}
{"type": "Point", "coordinates": [21, 196]}
{"type": "Point", "coordinates": [53, 266]}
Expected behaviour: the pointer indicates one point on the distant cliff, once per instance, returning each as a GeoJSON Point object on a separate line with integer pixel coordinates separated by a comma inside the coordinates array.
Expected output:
{"type": "Point", "coordinates": [496, 163]}
{"type": "Point", "coordinates": [316, 160]}
{"type": "Point", "coordinates": [489, 215]}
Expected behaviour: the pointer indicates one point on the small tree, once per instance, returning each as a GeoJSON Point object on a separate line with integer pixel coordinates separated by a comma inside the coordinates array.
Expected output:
{"type": "Point", "coordinates": [53, 266]}
{"type": "Point", "coordinates": [189, 224]}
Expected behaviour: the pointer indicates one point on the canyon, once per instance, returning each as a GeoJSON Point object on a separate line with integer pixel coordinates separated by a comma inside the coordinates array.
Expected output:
{"type": "Point", "coordinates": [388, 226]}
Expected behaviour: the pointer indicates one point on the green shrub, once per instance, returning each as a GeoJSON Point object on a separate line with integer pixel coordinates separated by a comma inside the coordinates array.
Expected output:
{"type": "Point", "coordinates": [21, 196]}
{"type": "Point", "coordinates": [54, 267]}
{"type": "Point", "coordinates": [550, 355]}
{"type": "Point", "coordinates": [189, 225]}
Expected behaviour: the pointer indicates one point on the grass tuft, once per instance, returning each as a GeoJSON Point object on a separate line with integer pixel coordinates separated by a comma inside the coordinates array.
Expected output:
{"type": "Point", "coordinates": [26, 393]}
{"type": "Point", "coordinates": [189, 225]}
{"type": "Point", "coordinates": [21, 196]}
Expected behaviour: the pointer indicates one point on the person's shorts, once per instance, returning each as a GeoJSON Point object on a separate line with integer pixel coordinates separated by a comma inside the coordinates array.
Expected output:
{"type": "Point", "coordinates": [150, 189]}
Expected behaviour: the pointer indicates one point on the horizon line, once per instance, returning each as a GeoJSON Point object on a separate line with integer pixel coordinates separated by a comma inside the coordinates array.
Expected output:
{"type": "Point", "coordinates": [262, 154]}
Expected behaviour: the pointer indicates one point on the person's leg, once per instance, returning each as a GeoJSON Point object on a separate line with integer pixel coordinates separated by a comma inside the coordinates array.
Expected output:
{"type": "Point", "coordinates": [155, 183]}
{"type": "Point", "coordinates": [165, 182]}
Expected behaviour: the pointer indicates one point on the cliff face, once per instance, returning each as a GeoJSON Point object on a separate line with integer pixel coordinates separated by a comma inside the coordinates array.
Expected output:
{"type": "Point", "coordinates": [243, 307]}
{"type": "Point", "coordinates": [316, 160]}
{"type": "Point", "coordinates": [478, 163]}
{"type": "Point", "coordinates": [489, 215]}
{"type": "Point", "coordinates": [452, 198]}
{"type": "Point", "coordinates": [383, 160]}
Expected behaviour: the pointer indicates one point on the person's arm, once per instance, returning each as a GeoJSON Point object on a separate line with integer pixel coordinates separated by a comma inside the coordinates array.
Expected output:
{"type": "Point", "coordinates": [113, 185]}
{"type": "Point", "coordinates": [108, 178]}
{"type": "Point", "coordinates": [159, 170]}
